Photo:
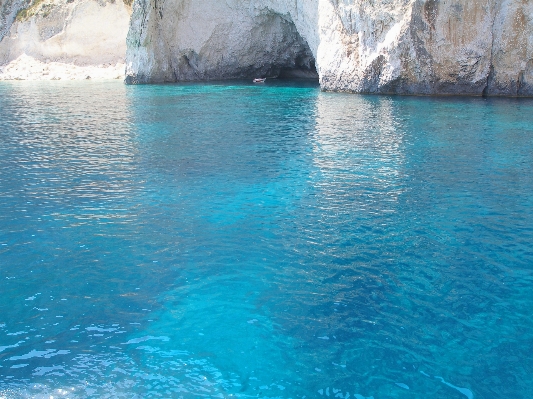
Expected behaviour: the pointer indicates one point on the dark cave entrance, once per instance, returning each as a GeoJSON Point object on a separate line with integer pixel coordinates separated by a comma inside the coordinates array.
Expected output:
{"type": "Point", "coordinates": [284, 53]}
{"type": "Point", "coordinates": [266, 46]}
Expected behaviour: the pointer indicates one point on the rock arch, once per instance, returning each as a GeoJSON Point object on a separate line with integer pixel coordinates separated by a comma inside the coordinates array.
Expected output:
{"type": "Point", "coordinates": [382, 46]}
{"type": "Point", "coordinates": [188, 44]}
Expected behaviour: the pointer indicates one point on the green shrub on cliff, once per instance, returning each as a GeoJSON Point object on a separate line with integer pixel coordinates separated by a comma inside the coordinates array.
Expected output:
{"type": "Point", "coordinates": [32, 9]}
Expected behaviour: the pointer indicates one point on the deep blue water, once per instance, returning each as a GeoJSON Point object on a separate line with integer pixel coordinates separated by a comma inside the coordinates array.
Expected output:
{"type": "Point", "coordinates": [272, 241]}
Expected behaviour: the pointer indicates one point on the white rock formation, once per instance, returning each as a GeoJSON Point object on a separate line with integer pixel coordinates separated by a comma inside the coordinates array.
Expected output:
{"type": "Point", "coordinates": [381, 46]}
{"type": "Point", "coordinates": [64, 39]}
{"type": "Point", "coordinates": [174, 40]}
{"type": "Point", "coordinates": [8, 12]}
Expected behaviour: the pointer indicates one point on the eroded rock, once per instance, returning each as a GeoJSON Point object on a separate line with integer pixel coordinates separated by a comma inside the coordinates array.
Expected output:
{"type": "Point", "coordinates": [64, 39]}
{"type": "Point", "coordinates": [383, 46]}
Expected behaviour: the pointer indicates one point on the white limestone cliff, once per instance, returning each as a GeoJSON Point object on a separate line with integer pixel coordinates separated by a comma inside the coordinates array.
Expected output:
{"type": "Point", "coordinates": [63, 39]}
{"type": "Point", "coordinates": [380, 46]}
{"type": "Point", "coordinates": [194, 40]}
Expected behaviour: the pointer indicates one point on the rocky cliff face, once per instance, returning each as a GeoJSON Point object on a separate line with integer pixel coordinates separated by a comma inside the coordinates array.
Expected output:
{"type": "Point", "coordinates": [63, 39]}
{"type": "Point", "coordinates": [8, 12]}
{"type": "Point", "coordinates": [179, 40]}
{"type": "Point", "coordinates": [380, 46]}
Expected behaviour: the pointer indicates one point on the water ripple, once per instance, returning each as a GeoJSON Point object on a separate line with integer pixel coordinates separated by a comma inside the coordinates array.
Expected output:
{"type": "Point", "coordinates": [275, 241]}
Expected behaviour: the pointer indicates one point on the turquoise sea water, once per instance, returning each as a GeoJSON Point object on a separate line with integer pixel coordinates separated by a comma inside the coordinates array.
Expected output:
{"type": "Point", "coordinates": [272, 241]}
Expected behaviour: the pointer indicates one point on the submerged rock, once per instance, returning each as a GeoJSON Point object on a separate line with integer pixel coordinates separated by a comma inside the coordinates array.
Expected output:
{"type": "Point", "coordinates": [384, 46]}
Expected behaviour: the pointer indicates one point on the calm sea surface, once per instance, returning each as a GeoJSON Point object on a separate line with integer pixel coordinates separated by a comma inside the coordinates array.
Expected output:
{"type": "Point", "coordinates": [272, 241]}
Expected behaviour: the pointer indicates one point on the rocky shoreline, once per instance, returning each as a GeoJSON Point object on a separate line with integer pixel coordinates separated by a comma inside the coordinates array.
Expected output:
{"type": "Point", "coordinates": [64, 40]}
{"type": "Point", "coordinates": [426, 47]}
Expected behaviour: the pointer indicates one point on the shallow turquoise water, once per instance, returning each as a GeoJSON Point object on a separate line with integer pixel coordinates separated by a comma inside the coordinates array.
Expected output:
{"type": "Point", "coordinates": [273, 241]}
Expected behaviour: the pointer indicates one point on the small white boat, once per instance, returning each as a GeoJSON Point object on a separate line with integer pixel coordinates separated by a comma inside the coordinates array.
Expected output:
{"type": "Point", "coordinates": [259, 80]}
